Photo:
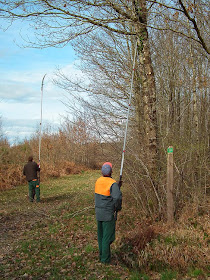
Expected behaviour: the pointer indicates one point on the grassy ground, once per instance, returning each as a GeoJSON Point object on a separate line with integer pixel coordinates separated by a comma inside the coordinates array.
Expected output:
{"type": "Point", "coordinates": [57, 238]}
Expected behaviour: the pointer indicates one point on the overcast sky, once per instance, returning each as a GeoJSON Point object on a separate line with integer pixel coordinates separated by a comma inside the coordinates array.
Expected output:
{"type": "Point", "coordinates": [21, 73]}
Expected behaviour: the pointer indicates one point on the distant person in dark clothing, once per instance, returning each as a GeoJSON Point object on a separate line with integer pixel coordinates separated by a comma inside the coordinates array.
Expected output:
{"type": "Point", "coordinates": [30, 171]}
{"type": "Point", "coordinates": [108, 200]}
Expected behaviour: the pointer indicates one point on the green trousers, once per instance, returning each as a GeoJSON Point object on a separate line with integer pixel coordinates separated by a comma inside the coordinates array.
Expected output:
{"type": "Point", "coordinates": [34, 189]}
{"type": "Point", "coordinates": [106, 235]}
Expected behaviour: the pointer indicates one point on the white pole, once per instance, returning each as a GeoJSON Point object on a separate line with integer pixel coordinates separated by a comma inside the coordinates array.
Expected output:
{"type": "Point", "coordinates": [128, 111]}
{"type": "Point", "coordinates": [40, 128]}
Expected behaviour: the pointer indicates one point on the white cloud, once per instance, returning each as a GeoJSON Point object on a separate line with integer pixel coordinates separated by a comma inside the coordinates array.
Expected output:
{"type": "Point", "coordinates": [10, 91]}
{"type": "Point", "coordinates": [26, 85]}
{"type": "Point", "coordinates": [21, 72]}
{"type": "Point", "coordinates": [16, 130]}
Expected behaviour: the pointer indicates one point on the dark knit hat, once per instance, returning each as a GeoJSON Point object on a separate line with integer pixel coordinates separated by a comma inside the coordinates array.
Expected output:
{"type": "Point", "coordinates": [106, 169]}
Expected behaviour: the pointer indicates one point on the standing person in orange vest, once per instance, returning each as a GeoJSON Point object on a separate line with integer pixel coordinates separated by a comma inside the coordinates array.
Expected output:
{"type": "Point", "coordinates": [108, 201]}
{"type": "Point", "coordinates": [30, 171]}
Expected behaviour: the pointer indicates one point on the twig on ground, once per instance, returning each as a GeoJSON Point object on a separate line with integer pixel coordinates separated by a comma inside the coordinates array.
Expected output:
{"type": "Point", "coordinates": [80, 211]}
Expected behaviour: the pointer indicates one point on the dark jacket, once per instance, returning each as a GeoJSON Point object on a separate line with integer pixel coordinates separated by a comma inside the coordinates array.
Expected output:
{"type": "Point", "coordinates": [30, 170]}
{"type": "Point", "coordinates": [108, 198]}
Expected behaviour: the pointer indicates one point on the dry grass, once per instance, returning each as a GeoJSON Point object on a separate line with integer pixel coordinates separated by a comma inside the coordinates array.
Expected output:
{"type": "Point", "coordinates": [61, 168]}
{"type": "Point", "coordinates": [11, 175]}
{"type": "Point", "coordinates": [181, 247]}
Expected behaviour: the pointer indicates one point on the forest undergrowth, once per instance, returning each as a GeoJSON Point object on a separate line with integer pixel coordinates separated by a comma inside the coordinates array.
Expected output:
{"type": "Point", "coordinates": [57, 238]}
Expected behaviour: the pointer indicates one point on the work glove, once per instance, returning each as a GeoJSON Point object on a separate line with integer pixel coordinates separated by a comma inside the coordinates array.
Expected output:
{"type": "Point", "coordinates": [120, 183]}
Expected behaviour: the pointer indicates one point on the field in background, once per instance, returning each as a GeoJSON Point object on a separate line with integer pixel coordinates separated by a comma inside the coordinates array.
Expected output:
{"type": "Point", "coordinates": [57, 238]}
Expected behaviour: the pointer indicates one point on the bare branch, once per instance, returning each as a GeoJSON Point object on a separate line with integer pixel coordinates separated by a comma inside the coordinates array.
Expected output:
{"type": "Point", "coordinates": [186, 13]}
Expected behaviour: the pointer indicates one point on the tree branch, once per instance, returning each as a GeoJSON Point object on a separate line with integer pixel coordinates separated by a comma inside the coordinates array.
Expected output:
{"type": "Point", "coordinates": [184, 10]}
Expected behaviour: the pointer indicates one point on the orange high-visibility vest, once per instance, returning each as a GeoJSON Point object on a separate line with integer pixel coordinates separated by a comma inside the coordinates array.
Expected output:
{"type": "Point", "coordinates": [103, 185]}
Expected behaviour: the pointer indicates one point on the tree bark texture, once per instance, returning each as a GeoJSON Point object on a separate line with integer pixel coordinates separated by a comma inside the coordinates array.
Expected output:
{"type": "Point", "coordinates": [148, 85]}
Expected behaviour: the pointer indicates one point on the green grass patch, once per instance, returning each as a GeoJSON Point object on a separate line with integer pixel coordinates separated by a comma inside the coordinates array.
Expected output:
{"type": "Point", "coordinates": [171, 240]}
{"type": "Point", "coordinates": [196, 272]}
{"type": "Point", "coordinates": [90, 248]}
{"type": "Point", "coordinates": [138, 276]}
{"type": "Point", "coordinates": [168, 275]}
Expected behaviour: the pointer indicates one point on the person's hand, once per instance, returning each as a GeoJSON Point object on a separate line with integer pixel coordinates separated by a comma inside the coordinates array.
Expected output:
{"type": "Point", "coordinates": [120, 183]}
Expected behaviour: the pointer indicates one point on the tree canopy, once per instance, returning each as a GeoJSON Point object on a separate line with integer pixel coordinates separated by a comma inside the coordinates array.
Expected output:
{"type": "Point", "coordinates": [57, 22]}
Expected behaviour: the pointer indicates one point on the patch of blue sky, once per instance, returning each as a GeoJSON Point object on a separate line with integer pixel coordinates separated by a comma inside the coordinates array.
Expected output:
{"type": "Point", "coordinates": [21, 73]}
{"type": "Point", "coordinates": [14, 41]}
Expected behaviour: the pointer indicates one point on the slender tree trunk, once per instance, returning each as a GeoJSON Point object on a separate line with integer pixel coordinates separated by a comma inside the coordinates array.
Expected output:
{"type": "Point", "coordinates": [178, 113]}
{"type": "Point", "coordinates": [171, 103]}
{"type": "Point", "coordinates": [195, 110]}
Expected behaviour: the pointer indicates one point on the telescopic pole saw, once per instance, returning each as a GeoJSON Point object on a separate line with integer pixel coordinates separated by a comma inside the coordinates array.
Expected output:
{"type": "Point", "coordinates": [128, 111]}
{"type": "Point", "coordinates": [40, 127]}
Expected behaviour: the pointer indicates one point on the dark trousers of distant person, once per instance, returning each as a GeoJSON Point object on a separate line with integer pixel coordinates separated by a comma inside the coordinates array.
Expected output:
{"type": "Point", "coordinates": [106, 235]}
{"type": "Point", "coordinates": [34, 189]}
